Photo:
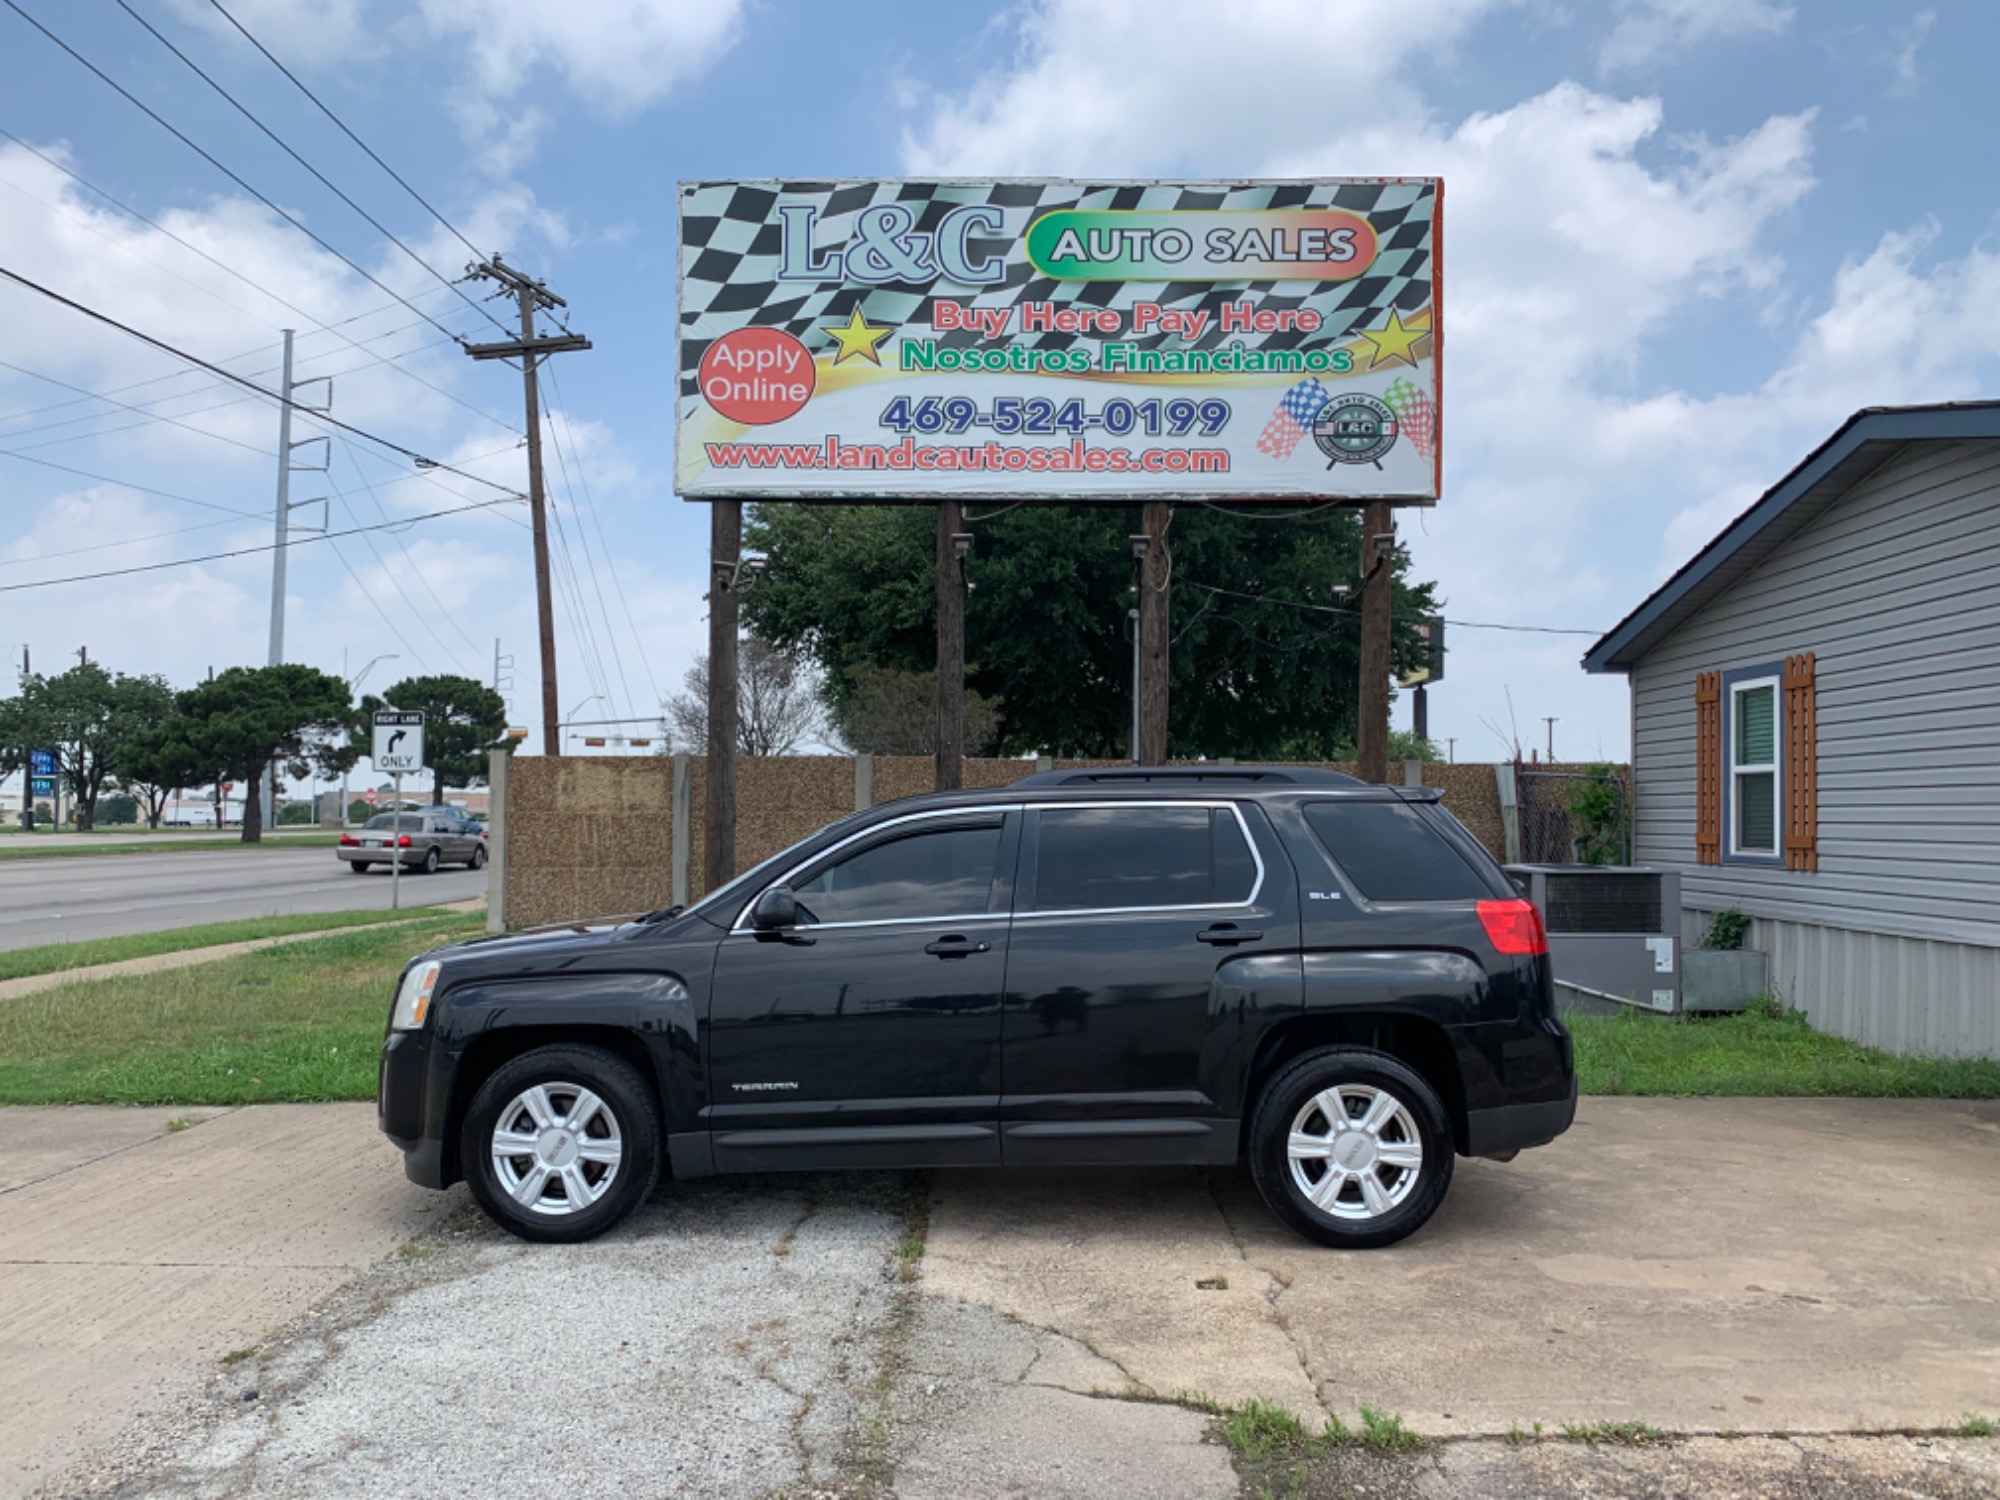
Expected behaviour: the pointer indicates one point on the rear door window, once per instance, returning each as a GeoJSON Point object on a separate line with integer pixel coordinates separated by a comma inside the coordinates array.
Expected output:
{"type": "Point", "coordinates": [1392, 853]}
{"type": "Point", "coordinates": [1125, 858]}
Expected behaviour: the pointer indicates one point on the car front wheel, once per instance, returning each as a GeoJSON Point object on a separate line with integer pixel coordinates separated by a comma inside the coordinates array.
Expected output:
{"type": "Point", "coordinates": [561, 1143]}
{"type": "Point", "coordinates": [478, 860]}
{"type": "Point", "coordinates": [1351, 1147]}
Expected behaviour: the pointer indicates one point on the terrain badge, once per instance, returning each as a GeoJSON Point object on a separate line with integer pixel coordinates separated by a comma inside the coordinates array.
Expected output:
{"type": "Point", "coordinates": [1354, 429]}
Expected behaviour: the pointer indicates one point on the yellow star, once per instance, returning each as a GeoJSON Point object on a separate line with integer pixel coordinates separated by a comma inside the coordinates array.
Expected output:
{"type": "Point", "coordinates": [1394, 342]}
{"type": "Point", "coordinates": [859, 338]}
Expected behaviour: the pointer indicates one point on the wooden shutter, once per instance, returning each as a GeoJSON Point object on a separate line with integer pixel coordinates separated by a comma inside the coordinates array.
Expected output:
{"type": "Point", "coordinates": [1708, 768]}
{"type": "Point", "coordinates": [1801, 766]}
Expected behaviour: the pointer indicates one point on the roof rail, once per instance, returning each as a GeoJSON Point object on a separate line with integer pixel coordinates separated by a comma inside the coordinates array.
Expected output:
{"type": "Point", "coordinates": [1206, 773]}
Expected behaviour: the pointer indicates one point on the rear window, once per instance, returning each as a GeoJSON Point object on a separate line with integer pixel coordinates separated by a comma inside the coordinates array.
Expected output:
{"type": "Point", "coordinates": [408, 823]}
{"type": "Point", "coordinates": [1392, 853]}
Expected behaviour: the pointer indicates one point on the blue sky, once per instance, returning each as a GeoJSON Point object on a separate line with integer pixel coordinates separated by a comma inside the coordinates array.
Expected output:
{"type": "Point", "coordinates": [1684, 238]}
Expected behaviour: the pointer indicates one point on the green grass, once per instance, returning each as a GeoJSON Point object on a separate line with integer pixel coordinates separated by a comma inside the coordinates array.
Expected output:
{"type": "Point", "coordinates": [26, 848]}
{"type": "Point", "coordinates": [1624, 1434]}
{"type": "Point", "coordinates": [1759, 1053]}
{"type": "Point", "coordinates": [1261, 1430]}
{"type": "Point", "coordinates": [300, 1022]}
{"type": "Point", "coordinates": [55, 957]}
{"type": "Point", "coordinates": [1977, 1426]}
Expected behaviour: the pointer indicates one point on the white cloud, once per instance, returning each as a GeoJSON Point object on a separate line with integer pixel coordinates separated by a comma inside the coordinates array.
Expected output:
{"type": "Point", "coordinates": [619, 55]}
{"type": "Point", "coordinates": [1120, 86]}
{"type": "Point", "coordinates": [1653, 31]}
{"type": "Point", "coordinates": [1907, 41]}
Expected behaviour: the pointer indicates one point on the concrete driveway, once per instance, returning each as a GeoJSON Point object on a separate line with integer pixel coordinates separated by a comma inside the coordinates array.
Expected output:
{"type": "Point", "coordinates": [1758, 1267]}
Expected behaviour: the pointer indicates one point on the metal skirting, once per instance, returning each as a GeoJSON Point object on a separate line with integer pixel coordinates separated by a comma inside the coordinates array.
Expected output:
{"type": "Point", "coordinates": [1909, 995]}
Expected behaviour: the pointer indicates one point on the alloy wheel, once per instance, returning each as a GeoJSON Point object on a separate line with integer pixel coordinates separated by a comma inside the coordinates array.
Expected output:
{"type": "Point", "coordinates": [1354, 1151]}
{"type": "Point", "coordinates": [556, 1148]}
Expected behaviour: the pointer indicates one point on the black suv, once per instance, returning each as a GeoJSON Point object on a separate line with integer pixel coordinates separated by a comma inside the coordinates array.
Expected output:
{"type": "Point", "coordinates": [1330, 979]}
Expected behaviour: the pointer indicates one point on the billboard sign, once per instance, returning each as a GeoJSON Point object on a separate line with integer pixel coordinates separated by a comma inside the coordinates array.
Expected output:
{"type": "Point", "coordinates": [917, 340]}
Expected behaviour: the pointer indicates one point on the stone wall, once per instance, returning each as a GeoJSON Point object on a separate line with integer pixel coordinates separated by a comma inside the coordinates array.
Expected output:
{"type": "Point", "coordinates": [594, 837]}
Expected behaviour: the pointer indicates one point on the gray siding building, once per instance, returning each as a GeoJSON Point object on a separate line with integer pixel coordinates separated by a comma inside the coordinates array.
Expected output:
{"type": "Point", "coordinates": [1816, 729]}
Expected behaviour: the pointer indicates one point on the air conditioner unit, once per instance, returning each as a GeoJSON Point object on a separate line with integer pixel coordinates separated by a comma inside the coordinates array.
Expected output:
{"type": "Point", "coordinates": [1614, 934]}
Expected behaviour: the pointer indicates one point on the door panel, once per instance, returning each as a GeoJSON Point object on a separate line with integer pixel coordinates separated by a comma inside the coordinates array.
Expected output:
{"type": "Point", "coordinates": [1110, 1009]}
{"type": "Point", "coordinates": [869, 1040]}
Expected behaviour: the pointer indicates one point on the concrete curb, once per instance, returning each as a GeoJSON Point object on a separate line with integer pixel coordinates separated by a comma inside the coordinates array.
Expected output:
{"type": "Point", "coordinates": [187, 958]}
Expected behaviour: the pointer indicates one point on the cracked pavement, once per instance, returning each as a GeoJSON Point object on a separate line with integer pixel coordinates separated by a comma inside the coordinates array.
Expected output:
{"type": "Point", "coordinates": [1774, 1279]}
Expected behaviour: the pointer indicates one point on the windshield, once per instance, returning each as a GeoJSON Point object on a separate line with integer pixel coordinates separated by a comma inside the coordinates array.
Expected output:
{"type": "Point", "coordinates": [719, 905]}
{"type": "Point", "coordinates": [411, 823]}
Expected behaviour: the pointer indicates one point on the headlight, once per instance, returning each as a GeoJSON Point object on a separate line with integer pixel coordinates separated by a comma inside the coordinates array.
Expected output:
{"type": "Point", "coordinates": [413, 997]}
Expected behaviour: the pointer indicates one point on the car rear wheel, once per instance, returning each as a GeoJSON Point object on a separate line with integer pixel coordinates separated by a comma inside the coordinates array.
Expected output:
{"type": "Point", "coordinates": [561, 1143]}
{"type": "Point", "coordinates": [1351, 1147]}
{"type": "Point", "coordinates": [431, 860]}
{"type": "Point", "coordinates": [358, 866]}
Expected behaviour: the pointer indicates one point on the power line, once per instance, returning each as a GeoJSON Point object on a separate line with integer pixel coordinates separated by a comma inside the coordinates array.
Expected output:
{"type": "Point", "coordinates": [184, 562]}
{"type": "Point", "coordinates": [324, 181]}
{"type": "Point", "coordinates": [215, 369]}
{"type": "Point", "coordinates": [1333, 609]}
{"type": "Point", "coordinates": [288, 305]}
{"type": "Point", "coordinates": [154, 416]}
{"type": "Point", "coordinates": [130, 541]}
{"type": "Point", "coordinates": [610, 560]}
{"type": "Point", "coordinates": [184, 139]}
{"type": "Point", "coordinates": [477, 252]}
{"type": "Point", "coordinates": [590, 562]}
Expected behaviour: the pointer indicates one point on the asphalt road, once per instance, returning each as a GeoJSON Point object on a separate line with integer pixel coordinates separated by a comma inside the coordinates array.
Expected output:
{"type": "Point", "coordinates": [68, 900]}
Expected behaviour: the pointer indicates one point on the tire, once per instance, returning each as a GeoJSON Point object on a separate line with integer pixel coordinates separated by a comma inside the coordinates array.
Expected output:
{"type": "Point", "coordinates": [478, 860]}
{"type": "Point", "coordinates": [431, 860]}
{"type": "Point", "coordinates": [620, 1172]}
{"type": "Point", "coordinates": [358, 866]}
{"type": "Point", "coordinates": [1384, 1200]}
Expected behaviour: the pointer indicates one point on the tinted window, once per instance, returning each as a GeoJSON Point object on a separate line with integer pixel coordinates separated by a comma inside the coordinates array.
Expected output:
{"type": "Point", "coordinates": [938, 872]}
{"type": "Point", "coordinates": [1108, 857]}
{"type": "Point", "coordinates": [1391, 852]}
{"type": "Point", "coordinates": [385, 821]}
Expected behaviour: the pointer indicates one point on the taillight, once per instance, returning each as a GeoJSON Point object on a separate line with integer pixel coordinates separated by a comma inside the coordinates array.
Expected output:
{"type": "Point", "coordinates": [1514, 927]}
{"type": "Point", "coordinates": [404, 843]}
{"type": "Point", "coordinates": [349, 839]}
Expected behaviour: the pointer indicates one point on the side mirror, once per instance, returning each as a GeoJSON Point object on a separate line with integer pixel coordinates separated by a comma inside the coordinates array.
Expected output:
{"type": "Point", "coordinates": [775, 910]}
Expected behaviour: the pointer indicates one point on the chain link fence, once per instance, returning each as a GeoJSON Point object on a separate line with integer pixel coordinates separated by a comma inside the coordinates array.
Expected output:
{"type": "Point", "coordinates": [1574, 817]}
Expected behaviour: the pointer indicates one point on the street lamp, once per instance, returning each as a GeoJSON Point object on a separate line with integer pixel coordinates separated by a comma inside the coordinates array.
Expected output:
{"type": "Point", "coordinates": [353, 683]}
{"type": "Point", "coordinates": [570, 717]}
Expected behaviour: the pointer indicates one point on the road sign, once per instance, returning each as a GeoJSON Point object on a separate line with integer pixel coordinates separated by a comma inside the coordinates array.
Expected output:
{"type": "Point", "coordinates": [369, 796]}
{"type": "Point", "coordinates": [399, 741]}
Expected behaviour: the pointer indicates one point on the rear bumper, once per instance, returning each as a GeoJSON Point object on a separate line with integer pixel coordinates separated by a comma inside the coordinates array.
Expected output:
{"type": "Point", "coordinates": [354, 854]}
{"type": "Point", "coordinates": [1516, 1127]}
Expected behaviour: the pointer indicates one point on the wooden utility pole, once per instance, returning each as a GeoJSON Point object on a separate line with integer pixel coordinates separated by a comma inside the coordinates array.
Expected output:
{"type": "Point", "coordinates": [1155, 579]}
{"type": "Point", "coordinates": [531, 351]}
{"type": "Point", "coordinates": [1372, 731]}
{"type": "Point", "coordinates": [725, 561]}
{"type": "Point", "coordinates": [953, 543]}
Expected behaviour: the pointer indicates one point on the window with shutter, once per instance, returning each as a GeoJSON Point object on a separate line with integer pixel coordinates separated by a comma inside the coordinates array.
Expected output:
{"type": "Point", "coordinates": [1708, 768]}
{"type": "Point", "coordinates": [1753, 768]}
{"type": "Point", "coordinates": [1801, 765]}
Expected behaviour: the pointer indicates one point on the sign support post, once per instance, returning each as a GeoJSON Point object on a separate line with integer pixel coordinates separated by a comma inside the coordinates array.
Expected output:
{"type": "Point", "coordinates": [396, 862]}
{"type": "Point", "coordinates": [1378, 545]}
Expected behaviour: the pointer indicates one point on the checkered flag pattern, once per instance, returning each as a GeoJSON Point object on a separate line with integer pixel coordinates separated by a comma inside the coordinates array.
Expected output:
{"type": "Point", "coordinates": [1416, 414]}
{"type": "Point", "coordinates": [1293, 419]}
{"type": "Point", "coordinates": [731, 244]}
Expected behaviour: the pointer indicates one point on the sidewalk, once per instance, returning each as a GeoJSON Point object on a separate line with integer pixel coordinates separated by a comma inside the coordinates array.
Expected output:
{"type": "Point", "coordinates": [133, 1258]}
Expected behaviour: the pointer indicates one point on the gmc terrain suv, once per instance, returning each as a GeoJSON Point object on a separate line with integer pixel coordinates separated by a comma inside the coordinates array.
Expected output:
{"type": "Point", "coordinates": [1327, 979]}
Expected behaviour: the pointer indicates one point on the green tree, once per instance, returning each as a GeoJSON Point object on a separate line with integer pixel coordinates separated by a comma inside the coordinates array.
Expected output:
{"type": "Point", "coordinates": [463, 719]}
{"type": "Point", "coordinates": [1265, 649]}
{"type": "Point", "coordinates": [117, 810]}
{"type": "Point", "coordinates": [161, 759]}
{"type": "Point", "coordinates": [83, 717]}
{"type": "Point", "coordinates": [247, 717]}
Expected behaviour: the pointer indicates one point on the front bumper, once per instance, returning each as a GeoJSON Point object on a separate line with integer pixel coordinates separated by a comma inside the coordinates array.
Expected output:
{"type": "Point", "coordinates": [1516, 1127]}
{"type": "Point", "coordinates": [402, 1107]}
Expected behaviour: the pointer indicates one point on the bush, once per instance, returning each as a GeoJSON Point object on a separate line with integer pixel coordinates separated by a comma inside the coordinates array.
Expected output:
{"type": "Point", "coordinates": [359, 811]}
{"type": "Point", "coordinates": [297, 814]}
{"type": "Point", "coordinates": [117, 810]}
{"type": "Point", "coordinates": [1726, 931]}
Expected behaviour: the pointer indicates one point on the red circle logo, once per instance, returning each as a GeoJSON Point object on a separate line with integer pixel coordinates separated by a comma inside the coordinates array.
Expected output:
{"type": "Point", "coordinates": [757, 375]}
